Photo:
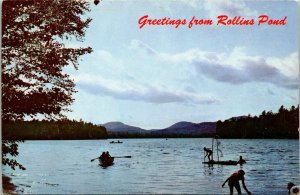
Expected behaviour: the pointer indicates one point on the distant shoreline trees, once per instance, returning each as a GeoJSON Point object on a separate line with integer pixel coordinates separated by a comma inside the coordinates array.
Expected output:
{"type": "Point", "coordinates": [281, 125]}
{"type": "Point", "coordinates": [52, 130]}
{"type": "Point", "coordinates": [268, 125]}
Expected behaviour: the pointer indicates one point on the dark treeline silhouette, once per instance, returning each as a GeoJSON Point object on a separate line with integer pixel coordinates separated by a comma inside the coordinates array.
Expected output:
{"type": "Point", "coordinates": [52, 130]}
{"type": "Point", "coordinates": [281, 125]}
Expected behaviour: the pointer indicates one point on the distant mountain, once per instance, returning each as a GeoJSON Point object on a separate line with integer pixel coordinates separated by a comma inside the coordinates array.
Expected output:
{"type": "Point", "coordinates": [181, 125]}
{"type": "Point", "coordinates": [188, 128]}
{"type": "Point", "coordinates": [180, 129]}
{"type": "Point", "coordinates": [118, 127]}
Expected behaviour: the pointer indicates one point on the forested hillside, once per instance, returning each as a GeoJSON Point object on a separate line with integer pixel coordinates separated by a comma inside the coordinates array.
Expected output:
{"type": "Point", "coordinates": [282, 125]}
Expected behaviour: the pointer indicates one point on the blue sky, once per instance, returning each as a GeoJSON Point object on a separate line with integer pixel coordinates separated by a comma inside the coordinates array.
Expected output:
{"type": "Point", "coordinates": [158, 75]}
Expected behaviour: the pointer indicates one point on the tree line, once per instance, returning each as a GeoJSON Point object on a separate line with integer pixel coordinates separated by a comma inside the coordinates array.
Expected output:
{"type": "Point", "coordinates": [52, 130]}
{"type": "Point", "coordinates": [283, 124]}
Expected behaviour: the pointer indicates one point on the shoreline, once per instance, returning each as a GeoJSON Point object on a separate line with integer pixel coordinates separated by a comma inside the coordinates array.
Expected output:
{"type": "Point", "coordinates": [7, 186]}
{"type": "Point", "coordinates": [163, 137]}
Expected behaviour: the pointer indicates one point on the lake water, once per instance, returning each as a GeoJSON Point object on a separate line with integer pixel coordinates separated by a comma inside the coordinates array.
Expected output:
{"type": "Point", "coordinates": [156, 166]}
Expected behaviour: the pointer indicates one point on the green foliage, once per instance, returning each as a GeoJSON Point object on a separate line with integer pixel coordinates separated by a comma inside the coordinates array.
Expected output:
{"type": "Point", "coordinates": [11, 148]}
{"type": "Point", "coordinates": [283, 124]}
{"type": "Point", "coordinates": [52, 130]}
{"type": "Point", "coordinates": [33, 57]}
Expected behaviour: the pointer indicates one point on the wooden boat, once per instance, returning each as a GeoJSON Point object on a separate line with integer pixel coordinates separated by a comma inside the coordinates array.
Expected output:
{"type": "Point", "coordinates": [118, 142]}
{"type": "Point", "coordinates": [106, 162]}
{"type": "Point", "coordinates": [228, 162]}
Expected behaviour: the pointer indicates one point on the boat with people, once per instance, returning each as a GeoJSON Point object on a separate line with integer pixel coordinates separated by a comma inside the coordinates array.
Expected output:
{"type": "Point", "coordinates": [116, 142]}
{"type": "Point", "coordinates": [105, 162]}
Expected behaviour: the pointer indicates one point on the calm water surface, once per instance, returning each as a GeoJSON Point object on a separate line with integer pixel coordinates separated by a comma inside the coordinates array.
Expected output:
{"type": "Point", "coordinates": [156, 166]}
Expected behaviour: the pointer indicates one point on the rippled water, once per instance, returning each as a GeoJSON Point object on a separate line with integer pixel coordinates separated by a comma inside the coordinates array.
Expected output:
{"type": "Point", "coordinates": [156, 166]}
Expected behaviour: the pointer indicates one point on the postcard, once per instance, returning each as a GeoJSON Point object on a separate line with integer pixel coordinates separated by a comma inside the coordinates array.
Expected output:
{"type": "Point", "coordinates": [150, 97]}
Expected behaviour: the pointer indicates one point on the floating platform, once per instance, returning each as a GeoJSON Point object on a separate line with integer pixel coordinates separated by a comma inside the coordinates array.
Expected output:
{"type": "Point", "coordinates": [228, 162]}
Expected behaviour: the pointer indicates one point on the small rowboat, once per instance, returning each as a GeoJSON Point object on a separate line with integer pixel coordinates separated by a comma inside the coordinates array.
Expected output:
{"type": "Point", "coordinates": [118, 142]}
{"type": "Point", "coordinates": [106, 162]}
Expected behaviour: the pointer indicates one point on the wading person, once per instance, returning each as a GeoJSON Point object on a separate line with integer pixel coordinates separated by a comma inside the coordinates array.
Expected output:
{"type": "Point", "coordinates": [233, 181]}
{"type": "Point", "coordinates": [241, 160]}
{"type": "Point", "coordinates": [293, 190]}
{"type": "Point", "coordinates": [208, 153]}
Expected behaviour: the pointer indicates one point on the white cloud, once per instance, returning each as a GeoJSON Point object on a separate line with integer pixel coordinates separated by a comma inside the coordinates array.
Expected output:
{"type": "Point", "coordinates": [137, 45]}
{"type": "Point", "coordinates": [220, 7]}
{"type": "Point", "coordinates": [137, 92]}
{"type": "Point", "coordinates": [104, 55]}
{"type": "Point", "coordinates": [236, 67]}
{"type": "Point", "coordinates": [231, 8]}
{"type": "Point", "coordinates": [288, 65]}
{"type": "Point", "coordinates": [105, 58]}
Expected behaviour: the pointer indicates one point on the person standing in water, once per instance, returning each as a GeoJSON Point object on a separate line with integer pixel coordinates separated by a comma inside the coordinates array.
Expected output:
{"type": "Point", "coordinates": [293, 189]}
{"type": "Point", "coordinates": [233, 181]}
{"type": "Point", "coordinates": [208, 153]}
{"type": "Point", "coordinates": [241, 160]}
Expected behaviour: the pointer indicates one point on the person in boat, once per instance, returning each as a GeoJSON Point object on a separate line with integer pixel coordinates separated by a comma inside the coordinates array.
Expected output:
{"type": "Point", "coordinates": [241, 160]}
{"type": "Point", "coordinates": [208, 153]}
{"type": "Point", "coordinates": [107, 154]}
{"type": "Point", "coordinates": [293, 189]}
{"type": "Point", "coordinates": [233, 182]}
{"type": "Point", "coordinates": [102, 157]}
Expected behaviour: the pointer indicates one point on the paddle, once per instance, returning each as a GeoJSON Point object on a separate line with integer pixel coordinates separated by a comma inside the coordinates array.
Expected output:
{"type": "Point", "coordinates": [122, 157]}
{"type": "Point", "coordinates": [113, 157]}
{"type": "Point", "coordinates": [95, 159]}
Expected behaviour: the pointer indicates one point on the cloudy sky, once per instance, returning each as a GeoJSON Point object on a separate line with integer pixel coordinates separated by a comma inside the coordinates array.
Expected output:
{"type": "Point", "coordinates": [158, 75]}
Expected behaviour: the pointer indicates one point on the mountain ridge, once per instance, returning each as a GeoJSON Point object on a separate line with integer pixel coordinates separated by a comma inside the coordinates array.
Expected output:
{"type": "Point", "coordinates": [117, 126]}
{"type": "Point", "coordinates": [182, 128]}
